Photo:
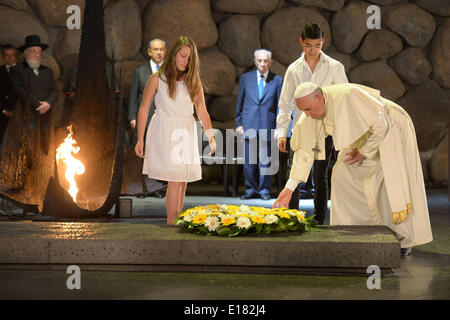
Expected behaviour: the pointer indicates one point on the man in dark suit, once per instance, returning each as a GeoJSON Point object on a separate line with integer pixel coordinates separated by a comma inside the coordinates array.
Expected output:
{"type": "Point", "coordinates": [8, 98]}
{"type": "Point", "coordinates": [256, 112]}
{"type": "Point", "coordinates": [157, 51]}
{"type": "Point", "coordinates": [36, 87]}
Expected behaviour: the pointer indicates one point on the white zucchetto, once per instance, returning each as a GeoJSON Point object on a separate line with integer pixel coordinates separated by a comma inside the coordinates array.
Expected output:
{"type": "Point", "coordinates": [304, 89]}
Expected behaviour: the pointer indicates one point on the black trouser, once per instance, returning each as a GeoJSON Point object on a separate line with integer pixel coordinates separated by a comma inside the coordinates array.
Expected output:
{"type": "Point", "coordinates": [320, 179]}
{"type": "Point", "coordinates": [3, 124]}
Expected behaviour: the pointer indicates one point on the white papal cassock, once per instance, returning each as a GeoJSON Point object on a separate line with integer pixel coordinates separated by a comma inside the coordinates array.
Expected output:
{"type": "Point", "coordinates": [388, 188]}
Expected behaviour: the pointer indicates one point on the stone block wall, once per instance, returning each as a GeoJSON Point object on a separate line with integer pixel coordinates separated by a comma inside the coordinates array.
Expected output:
{"type": "Point", "coordinates": [408, 59]}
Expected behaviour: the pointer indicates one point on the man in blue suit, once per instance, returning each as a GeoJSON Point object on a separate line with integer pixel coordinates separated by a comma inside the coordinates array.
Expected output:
{"type": "Point", "coordinates": [256, 112]}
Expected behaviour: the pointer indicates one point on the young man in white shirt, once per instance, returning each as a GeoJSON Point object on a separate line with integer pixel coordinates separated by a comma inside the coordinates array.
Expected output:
{"type": "Point", "coordinates": [313, 66]}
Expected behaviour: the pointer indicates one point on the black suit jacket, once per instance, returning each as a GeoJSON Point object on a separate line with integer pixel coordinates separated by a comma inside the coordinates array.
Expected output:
{"type": "Point", "coordinates": [31, 89]}
{"type": "Point", "coordinates": [140, 77]}
{"type": "Point", "coordinates": [8, 97]}
{"type": "Point", "coordinates": [35, 88]}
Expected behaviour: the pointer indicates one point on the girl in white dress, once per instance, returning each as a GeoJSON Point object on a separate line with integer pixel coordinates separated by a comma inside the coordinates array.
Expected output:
{"type": "Point", "coordinates": [171, 150]}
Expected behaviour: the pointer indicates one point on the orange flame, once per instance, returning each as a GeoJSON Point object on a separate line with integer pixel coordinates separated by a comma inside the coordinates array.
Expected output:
{"type": "Point", "coordinates": [65, 152]}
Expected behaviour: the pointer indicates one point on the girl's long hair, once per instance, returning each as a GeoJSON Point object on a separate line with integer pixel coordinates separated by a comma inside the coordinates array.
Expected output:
{"type": "Point", "coordinates": [169, 68]}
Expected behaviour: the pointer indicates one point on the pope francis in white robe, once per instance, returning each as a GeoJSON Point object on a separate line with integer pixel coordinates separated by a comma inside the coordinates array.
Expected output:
{"type": "Point", "coordinates": [377, 178]}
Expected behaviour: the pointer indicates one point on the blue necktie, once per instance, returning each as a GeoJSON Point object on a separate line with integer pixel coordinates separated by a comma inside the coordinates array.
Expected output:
{"type": "Point", "coordinates": [261, 87]}
{"type": "Point", "coordinates": [157, 67]}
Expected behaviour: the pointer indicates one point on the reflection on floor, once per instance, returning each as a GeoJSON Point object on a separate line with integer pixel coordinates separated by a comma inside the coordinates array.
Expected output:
{"type": "Point", "coordinates": [423, 275]}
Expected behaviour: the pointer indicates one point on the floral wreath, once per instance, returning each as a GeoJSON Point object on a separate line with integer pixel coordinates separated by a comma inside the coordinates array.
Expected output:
{"type": "Point", "coordinates": [232, 220]}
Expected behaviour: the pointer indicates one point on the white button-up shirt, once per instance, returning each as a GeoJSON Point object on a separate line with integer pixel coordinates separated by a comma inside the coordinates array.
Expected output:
{"type": "Point", "coordinates": [9, 66]}
{"type": "Point", "coordinates": [258, 78]}
{"type": "Point", "coordinates": [328, 71]}
{"type": "Point", "coordinates": [153, 65]}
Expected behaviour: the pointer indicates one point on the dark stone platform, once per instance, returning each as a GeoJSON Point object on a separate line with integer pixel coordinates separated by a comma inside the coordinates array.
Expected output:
{"type": "Point", "coordinates": [331, 249]}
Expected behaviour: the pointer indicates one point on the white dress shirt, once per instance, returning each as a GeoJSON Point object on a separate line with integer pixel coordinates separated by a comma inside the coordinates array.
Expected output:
{"type": "Point", "coordinates": [153, 65]}
{"type": "Point", "coordinates": [9, 66]}
{"type": "Point", "coordinates": [328, 71]}
{"type": "Point", "coordinates": [265, 74]}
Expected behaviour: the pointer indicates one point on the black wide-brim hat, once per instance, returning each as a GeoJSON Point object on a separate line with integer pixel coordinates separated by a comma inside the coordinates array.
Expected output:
{"type": "Point", "coordinates": [33, 41]}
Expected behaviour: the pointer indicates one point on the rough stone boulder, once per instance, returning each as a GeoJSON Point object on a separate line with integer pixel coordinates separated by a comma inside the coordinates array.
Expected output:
{"type": "Point", "coordinates": [349, 26]}
{"type": "Point", "coordinates": [427, 104]}
{"type": "Point", "coordinates": [49, 61]}
{"type": "Point", "coordinates": [239, 46]}
{"type": "Point", "coordinates": [217, 72]}
{"type": "Point", "coordinates": [439, 163]}
{"type": "Point", "coordinates": [170, 19]}
{"type": "Point", "coordinates": [438, 7]}
{"type": "Point", "coordinates": [412, 66]}
{"type": "Point", "coordinates": [440, 54]}
{"type": "Point", "coordinates": [379, 44]}
{"type": "Point", "coordinates": [20, 5]}
{"type": "Point", "coordinates": [343, 58]}
{"type": "Point", "coordinates": [281, 31]}
{"type": "Point", "coordinates": [16, 25]}
{"type": "Point", "coordinates": [245, 6]}
{"type": "Point", "coordinates": [278, 68]}
{"type": "Point", "coordinates": [67, 47]}
{"type": "Point", "coordinates": [380, 76]}
{"type": "Point", "coordinates": [54, 13]}
{"type": "Point", "coordinates": [123, 29]}
{"type": "Point", "coordinates": [332, 5]}
{"type": "Point", "coordinates": [222, 109]}
{"type": "Point", "coordinates": [127, 74]}
{"type": "Point", "coordinates": [415, 25]}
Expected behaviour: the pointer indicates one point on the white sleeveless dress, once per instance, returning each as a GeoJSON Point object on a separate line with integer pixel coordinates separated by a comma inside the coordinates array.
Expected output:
{"type": "Point", "coordinates": [171, 149]}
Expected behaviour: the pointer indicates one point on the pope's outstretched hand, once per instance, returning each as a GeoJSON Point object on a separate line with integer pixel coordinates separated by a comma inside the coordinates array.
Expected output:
{"type": "Point", "coordinates": [283, 199]}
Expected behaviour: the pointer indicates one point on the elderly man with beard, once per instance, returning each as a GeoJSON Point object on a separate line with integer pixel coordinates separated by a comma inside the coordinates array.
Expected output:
{"type": "Point", "coordinates": [36, 87]}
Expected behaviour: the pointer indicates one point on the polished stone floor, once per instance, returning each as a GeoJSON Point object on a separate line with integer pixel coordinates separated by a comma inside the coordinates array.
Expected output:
{"type": "Point", "coordinates": [423, 275]}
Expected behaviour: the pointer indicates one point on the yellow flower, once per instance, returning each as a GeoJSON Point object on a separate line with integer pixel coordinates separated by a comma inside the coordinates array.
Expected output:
{"type": "Point", "coordinates": [233, 208]}
{"type": "Point", "coordinates": [243, 215]}
{"type": "Point", "coordinates": [300, 217]}
{"type": "Point", "coordinates": [213, 207]}
{"type": "Point", "coordinates": [188, 211]}
{"type": "Point", "coordinates": [200, 218]}
{"type": "Point", "coordinates": [228, 220]}
{"type": "Point", "coordinates": [282, 214]}
{"type": "Point", "coordinates": [257, 220]}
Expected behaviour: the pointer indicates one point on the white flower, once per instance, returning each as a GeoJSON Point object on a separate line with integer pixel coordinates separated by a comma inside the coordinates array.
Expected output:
{"type": "Point", "coordinates": [244, 208]}
{"type": "Point", "coordinates": [187, 218]}
{"type": "Point", "coordinates": [243, 223]}
{"type": "Point", "coordinates": [223, 207]}
{"type": "Point", "coordinates": [271, 218]}
{"type": "Point", "coordinates": [254, 214]}
{"type": "Point", "coordinates": [212, 223]}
